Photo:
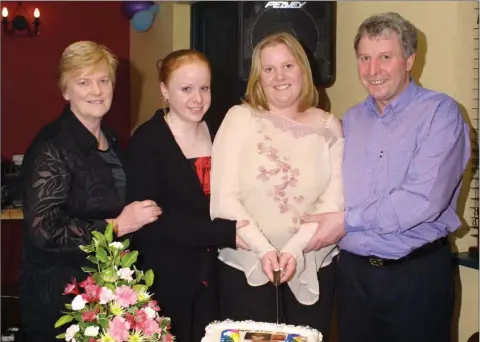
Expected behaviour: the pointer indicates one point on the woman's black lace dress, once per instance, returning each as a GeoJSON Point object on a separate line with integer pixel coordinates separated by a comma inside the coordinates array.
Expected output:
{"type": "Point", "coordinates": [69, 188]}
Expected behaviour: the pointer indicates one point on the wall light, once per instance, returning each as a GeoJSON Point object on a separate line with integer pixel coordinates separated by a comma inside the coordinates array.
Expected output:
{"type": "Point", "coordinates": [20, 23]}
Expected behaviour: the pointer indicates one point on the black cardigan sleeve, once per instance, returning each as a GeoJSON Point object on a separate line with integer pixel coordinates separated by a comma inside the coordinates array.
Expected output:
{"type": "Point", "coordinates": [144, 181]}
{"type": "Point", "coordinates": [46, 183]}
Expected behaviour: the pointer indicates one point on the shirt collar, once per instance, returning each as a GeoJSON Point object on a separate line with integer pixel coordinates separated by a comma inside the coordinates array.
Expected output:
{"type": "Point", "coordinates": [85, 140]}
{"type": "Point", "coordinates": [398, 104]}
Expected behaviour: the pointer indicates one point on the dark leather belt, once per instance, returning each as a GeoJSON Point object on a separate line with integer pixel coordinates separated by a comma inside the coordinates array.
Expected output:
{"type": "Point", "coordinates": [415, 254]}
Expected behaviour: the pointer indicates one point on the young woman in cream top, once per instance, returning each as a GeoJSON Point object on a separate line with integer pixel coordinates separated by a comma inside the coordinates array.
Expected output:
{"type": "Point", "coordinates": [275, 160]}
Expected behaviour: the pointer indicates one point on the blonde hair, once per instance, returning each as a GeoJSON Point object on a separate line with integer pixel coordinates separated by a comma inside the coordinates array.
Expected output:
{"type": "Point", "coordinates": [84, 54]}
{"type": "Point", "coordinates": [255, 96]}
{"type": "Point", "coordinates": [177, 59]}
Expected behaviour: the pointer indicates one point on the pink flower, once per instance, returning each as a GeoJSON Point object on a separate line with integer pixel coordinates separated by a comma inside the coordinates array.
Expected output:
{"type": "Point", "coordinates": [105, 296]}
{"type": "Point", "coordinates": [89, 316]}
{"type": "Point", "coordinates": [125, 296]}
{"type": "Point", "coordinates": [71, 288]}
{"type": "Point", "coordinates": [125, 273]}
{"type": "Point", "coordinates": [168, 338]}
{"type": "Point", "coordinates": [153, 304]}
{"type": "Point", "coordinates": [88, 281]}
{"type": "Point", "coordinates": [118, 329]}
{"type": "Point", "coordinates": [149, 327]}
{"type": "Point", "coordinates": [137, 320]}
{"type": "Point", "coordinates": [92, 293]}
{"type": "Point", "coordinates": [140, 316]}
{"type": "Point", "coordinates": [131, 320]}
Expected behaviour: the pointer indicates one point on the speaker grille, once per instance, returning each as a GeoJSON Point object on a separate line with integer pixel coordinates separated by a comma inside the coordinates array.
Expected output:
{"type": "Point", "coordinates": [312, 25]}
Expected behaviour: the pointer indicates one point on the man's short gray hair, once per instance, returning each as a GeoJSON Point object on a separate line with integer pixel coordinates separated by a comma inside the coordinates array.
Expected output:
{"type": "Point", "coordinates": [385, 23]}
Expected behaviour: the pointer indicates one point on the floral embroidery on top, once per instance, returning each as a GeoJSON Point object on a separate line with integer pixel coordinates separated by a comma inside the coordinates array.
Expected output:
{"type": "Point", "coordinates": [297, 129]}
{"type": "Point", "coordinates": [289, 178]}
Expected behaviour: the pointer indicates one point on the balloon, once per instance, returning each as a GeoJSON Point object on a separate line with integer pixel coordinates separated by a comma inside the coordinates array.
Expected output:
{"type": "Point", "coordinates": [129, 8]}
{"type": "Point", "coordinates": [142, 21]}
{"type": "Point", "coordinates": [154, 9]}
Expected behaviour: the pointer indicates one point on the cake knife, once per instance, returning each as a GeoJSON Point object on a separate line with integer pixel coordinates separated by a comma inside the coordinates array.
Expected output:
{"type": "Point", "coordinates": [276, 282]}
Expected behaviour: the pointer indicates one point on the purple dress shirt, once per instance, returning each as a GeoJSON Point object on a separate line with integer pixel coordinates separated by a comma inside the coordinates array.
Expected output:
{"type": "Point", "coordinates": [402, 172]}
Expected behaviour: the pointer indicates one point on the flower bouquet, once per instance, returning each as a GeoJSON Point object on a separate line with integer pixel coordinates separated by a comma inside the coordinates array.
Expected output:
{"type": "Point", "coordinates": [112, 304]}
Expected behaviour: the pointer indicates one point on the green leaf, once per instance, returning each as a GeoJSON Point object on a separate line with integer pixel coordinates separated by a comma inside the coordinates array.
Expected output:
{"type": "Point", "coordinates": [92, 259]}
{"type": "Point", "coordinates": [149, 277]}
{"type": "Point", "coordinates": [98, 279]}
{"type": "Point", "coordinates": [109, 233]}
{"type": "Point", "coordinates": [99, 236]}
{"type": "Point", "coordinates": [164, 323]}
{"type": "Point", "coordinates": [129, 259]}
{"type": "Point", "coordinates": [125, 244]}
{"type": "Point", "coordinates": [68, 306]}
{"type": "Point", "coordinates": [101, 254]}
{"type": "Point", "coordinates": [78, 317]}
{"type": "Point", "coordinates": [139, 287]}
{"type": "Point", "coordinates": [90, 324]}
{"type": "Point", "coordinates": [109, 275]}
{"type": "Point", "coordinates": [87, 248]}
{"type": "Point", "coordinates": [110, 286]}
{"type": "Point", "coordinates": [88, 269]}
{"type": "Point", "coordinates": [63, 320]}
{"type": "Point", "coordinates": [103, 323]}
{"type": "Point", "coordinates": [95, 242]}
{"type": "Point", "coordinates": [60, 337]}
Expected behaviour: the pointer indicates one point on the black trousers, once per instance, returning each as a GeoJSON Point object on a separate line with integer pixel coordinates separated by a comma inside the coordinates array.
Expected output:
{"type": "Point", "coordinates": [240, 301]}
{"type": "Point", "coordinates": [411, 301]}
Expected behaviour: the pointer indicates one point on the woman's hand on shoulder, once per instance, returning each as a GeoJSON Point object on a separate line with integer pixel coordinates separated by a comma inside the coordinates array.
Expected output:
{"type": "Point", "coordinates": [329, 120]}
{"type": "Point", "coordinates": [137, 214]}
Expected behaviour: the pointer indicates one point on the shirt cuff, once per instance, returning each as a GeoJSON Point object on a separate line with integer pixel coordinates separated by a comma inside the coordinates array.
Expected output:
{"type": "Point", "coordinates": [353, 220]}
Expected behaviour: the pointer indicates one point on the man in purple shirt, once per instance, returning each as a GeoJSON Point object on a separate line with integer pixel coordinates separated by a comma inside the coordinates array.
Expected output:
{"type": "Point", "coordinates": [406, 148]}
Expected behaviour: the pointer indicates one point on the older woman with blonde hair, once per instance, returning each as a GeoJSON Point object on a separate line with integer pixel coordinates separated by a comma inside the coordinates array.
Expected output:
{"type": "Point", "coordinates": [276, 159]}
{"type": "Point", "coordinates": [73, 183]}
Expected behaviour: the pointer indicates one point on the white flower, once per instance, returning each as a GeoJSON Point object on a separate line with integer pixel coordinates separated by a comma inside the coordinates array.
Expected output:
{"type": "Point", "coordinates": [106, 295]}
{"type": "Point", "coordinates": [150, 312]}
{"type": "Point", "coordinates": [116, 244]}
{"type": "Point", "coordinates": [92, 331]}
{"type": "Point", "coordinates": [71, 331]}
{"type": "Point", "coordinates": [78, 303]}
{"type": "Point", "coordinates": [125, 273]}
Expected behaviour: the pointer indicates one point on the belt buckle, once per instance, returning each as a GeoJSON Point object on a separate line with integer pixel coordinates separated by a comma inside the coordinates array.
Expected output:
{"type": "Point", "coordinates": [374, 261]}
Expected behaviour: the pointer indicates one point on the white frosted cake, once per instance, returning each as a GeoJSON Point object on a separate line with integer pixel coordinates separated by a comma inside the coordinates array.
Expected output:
{"type": "Point", "coordinates": [231, 331]}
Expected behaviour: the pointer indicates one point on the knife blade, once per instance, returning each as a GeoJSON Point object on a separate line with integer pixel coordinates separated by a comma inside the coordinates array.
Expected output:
{"type": "Point", "coordinates": [276, 282]}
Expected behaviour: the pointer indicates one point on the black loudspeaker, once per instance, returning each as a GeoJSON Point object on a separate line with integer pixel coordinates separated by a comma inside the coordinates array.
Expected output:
{"type": "Point", "coordinates": [312, 23]}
